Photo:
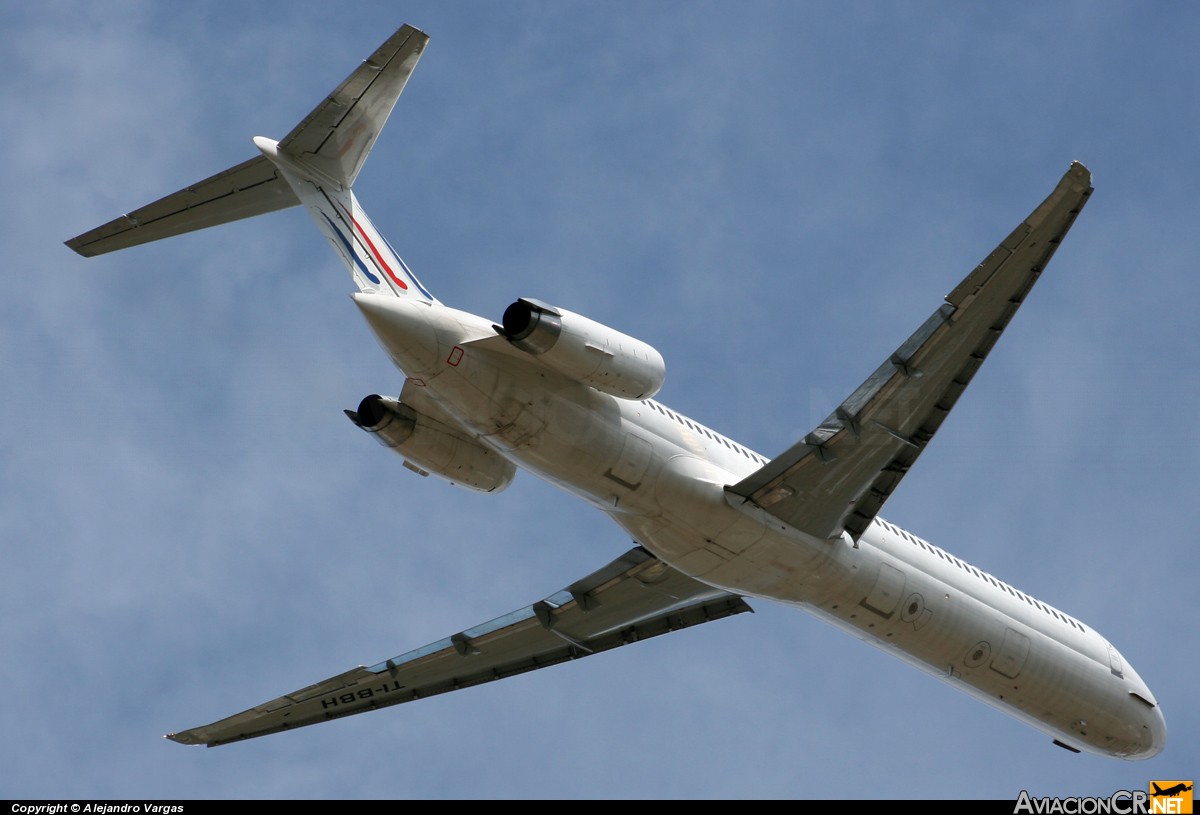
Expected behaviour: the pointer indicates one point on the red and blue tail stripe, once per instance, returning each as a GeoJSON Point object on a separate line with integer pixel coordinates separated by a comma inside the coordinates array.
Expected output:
{"type": "Point", "coordinates": [367, 254]}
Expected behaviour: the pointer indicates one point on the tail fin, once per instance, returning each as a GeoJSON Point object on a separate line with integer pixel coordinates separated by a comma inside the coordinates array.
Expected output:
{"type": "Point", "coordinates": [372, 262]}
{"type": "Point", "coordinates": [315, 164]}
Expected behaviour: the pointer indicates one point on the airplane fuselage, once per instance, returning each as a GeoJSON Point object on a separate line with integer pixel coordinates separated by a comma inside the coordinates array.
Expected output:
{"type": "Point", "coordinates": [661, 477]}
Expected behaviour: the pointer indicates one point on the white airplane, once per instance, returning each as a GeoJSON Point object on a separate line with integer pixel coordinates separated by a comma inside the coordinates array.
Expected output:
{"type": "Point", "coordinates": [571, 400]}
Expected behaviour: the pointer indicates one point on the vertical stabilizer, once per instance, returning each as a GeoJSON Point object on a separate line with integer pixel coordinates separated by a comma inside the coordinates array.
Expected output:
{"type": "Point", "coordinates": [370, 259]}
{"type": "Point", "coordinates": [323, 155]}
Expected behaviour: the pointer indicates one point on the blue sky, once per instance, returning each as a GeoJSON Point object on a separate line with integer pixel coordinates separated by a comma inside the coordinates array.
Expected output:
{"type": "Point", "coordinates": [772, 194]}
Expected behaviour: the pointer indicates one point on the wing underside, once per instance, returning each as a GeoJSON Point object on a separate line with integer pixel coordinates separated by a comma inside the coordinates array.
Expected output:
{"type": "Point", "coordinates": [633, 598]}
{"type": "Point", "coordinates": [838, 476]}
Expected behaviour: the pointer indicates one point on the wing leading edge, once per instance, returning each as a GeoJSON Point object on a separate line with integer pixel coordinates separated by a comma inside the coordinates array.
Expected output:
{"type": "Point", "coordinates": [838, 476]}
{"type": "Point", "coordinates": [633, 598]}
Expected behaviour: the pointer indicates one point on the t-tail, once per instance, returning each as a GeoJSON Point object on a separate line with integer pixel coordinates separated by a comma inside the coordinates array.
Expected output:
{"type": "Point", "coordinates": [315, 165]}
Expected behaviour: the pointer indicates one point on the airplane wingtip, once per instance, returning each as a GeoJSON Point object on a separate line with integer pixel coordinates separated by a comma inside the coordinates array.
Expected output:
{"type": "Point", "coordinates": [1080, 172]}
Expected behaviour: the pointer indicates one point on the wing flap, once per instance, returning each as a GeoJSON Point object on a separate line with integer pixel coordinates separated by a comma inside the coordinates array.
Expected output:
{"type": "Point", "coordinates": [633, 598]}
{"type": "Point", "coordinates": [838, 476]}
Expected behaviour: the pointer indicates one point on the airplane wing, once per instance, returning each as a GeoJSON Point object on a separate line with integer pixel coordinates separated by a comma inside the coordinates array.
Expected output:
{"type": "Point", "coordinates": [838, 476]}
{"type": "Point", "coordinates": [633, 598]}
{"type": "Point", "coordinates": [335, 138]}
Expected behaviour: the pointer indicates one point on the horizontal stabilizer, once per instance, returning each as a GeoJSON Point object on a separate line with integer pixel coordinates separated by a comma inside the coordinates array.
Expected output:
{"type": "Point", "coordinates": [251, 188]}
{"type": "Point", "coordinates": [329, 146]}
{"type": "Point", "coordinates": [336, 137]}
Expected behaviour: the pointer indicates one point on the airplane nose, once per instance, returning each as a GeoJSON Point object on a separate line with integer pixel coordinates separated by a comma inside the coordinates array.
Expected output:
{"type": "Point", "coordinates": [1158, 733]}
{"type": "Point", "coordinates": [1153, 736]}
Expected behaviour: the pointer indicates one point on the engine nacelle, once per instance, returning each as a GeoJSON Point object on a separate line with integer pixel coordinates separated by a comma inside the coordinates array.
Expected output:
{"type": "Point", "coordinates": [431, 446]}
{"type": "Point", "coordinates": [585, 350]}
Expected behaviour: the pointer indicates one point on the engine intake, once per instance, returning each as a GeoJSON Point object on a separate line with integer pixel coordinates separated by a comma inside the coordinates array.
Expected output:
{"type": "Point", "coordinates": [584, 350]}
